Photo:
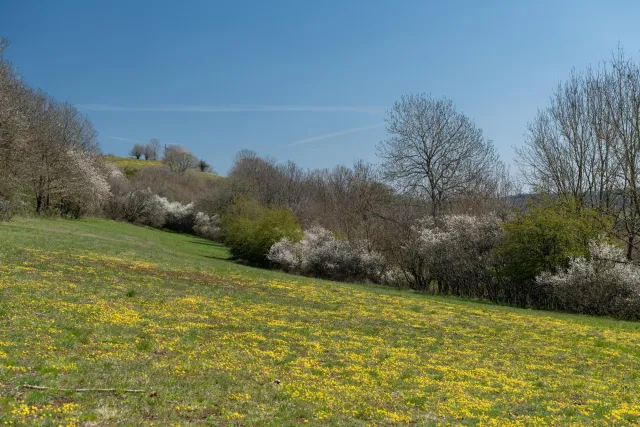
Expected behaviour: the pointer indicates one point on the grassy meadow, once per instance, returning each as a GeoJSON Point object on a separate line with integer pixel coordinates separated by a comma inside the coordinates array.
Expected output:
{"type": "Point", "coordinates": [131, 167]}
{"type": "Point", "coordinates": [99, 304]}
{"type": "Point", "coordinates": [129, 163]}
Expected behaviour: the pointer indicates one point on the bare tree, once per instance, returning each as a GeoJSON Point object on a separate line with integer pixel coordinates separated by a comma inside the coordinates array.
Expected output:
{"type": "Point", "coordinates": [586, 144]}
{"type": "Point", "coordinates": [179, 159]}
{"type": "Point", "coordinates": [152, 149]}
{"type": "Point", "coordinates": [566, 151]}
{"type": "Point", "coordinates": [13, 127]}
{"type": "Point", "coordinates": [621, 86]}
{"type": "Point", "coordinates": [435, 151]}
{"type": "Point", "coordinates": [257, 178]}
{"type": "Point", "coordinates": [137, 151]}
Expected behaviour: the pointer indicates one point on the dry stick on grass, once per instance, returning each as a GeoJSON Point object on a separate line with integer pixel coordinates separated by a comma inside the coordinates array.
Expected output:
{"type": "Point", "coordinates": [82, 390]}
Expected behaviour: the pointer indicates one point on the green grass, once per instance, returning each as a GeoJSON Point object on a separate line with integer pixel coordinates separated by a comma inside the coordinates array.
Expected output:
{"type": "Point", "coordinates": [100, 304]}
{"type": "Point", "coordinates": [131, 167]}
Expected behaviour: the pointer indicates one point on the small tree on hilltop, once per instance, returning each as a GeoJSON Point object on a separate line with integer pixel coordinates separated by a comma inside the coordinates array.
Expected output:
{"type": "Point", "coordinates": [152, 149]}
{"type": "Point", "coordinates": [203, 166]}
{"type": "Point", "coordinates": [179, 159]}
{"type": "Point", "coordinates": [137, 151]}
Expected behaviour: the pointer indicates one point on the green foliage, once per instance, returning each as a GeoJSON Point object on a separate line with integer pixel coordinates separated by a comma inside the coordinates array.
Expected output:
{"type": "Point", "coordinates": [543, 239]}
{"type": "Point", "coordinates": [250, 229]}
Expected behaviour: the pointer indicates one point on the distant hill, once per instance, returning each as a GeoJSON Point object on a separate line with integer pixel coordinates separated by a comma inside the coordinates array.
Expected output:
{"type": "Point", "coordinates": [131, 167]}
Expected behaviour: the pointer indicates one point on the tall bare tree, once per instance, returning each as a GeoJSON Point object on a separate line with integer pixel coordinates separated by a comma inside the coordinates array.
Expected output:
{"type": "Point", "coordinates": [586, 144]}
{"type": "Point", "coordinates": [137, 150]}
{"type": "Point", "coordinates": [435, 151]}
{"type": "Point", "coordinates": [568, 150]}
{"type": "Point", "coordinates": [152, 149]}
{"type": "Point", "coordinates": [179, 159]}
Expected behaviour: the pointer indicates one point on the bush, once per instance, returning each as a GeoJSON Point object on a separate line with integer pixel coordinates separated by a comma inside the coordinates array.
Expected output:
{"type": "Point", "coordinates": [85, 188]}
{"type": "Point", "coordinates": [603, 283]}
{"type": "Point", "coordinates": [455, 254]}
{"type": "Point", "coordinates": [250, 229]}
{"type": "Point", "coordinates": [180, 187]}
{"type": "Point", "coordinates": [130, 204]}
{"type": "Point", "coordinates": [543, 239]}
{"type": "Point", "coordinates": [177, 217]}
{"type": "Point", "coordinates": [320, 254]}
{"type": "Point", "coordinates": [7, 208]}
{"type": "Point", "coordinates": [207, 226]}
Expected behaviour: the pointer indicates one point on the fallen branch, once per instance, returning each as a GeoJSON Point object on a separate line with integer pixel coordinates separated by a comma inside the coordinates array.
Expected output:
{"type": "Point", "coordinates": [83, 390]}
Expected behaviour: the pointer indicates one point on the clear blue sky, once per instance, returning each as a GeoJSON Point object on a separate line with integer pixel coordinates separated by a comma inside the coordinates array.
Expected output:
{"type": "Point", "coordinates": [302, 80]}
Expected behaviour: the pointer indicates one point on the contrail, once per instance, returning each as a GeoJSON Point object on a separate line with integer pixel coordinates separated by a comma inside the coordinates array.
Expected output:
{"type": "Point", "coordinates": [334, 134]}
{"type": "Point", "coordinates": [119, 138]}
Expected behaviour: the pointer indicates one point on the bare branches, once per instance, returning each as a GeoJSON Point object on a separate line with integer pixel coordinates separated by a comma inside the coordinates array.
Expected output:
{"type": "Point", "coordinates": [152, 149]}
{"type": "Point", "coordinates": [586, 144]}
{"type": "Point", "coordinates": [179, 159]}
{"type": "Point", "coordinates": [137, 151]}
{"type": "Point", "coordinates": [435, 151]}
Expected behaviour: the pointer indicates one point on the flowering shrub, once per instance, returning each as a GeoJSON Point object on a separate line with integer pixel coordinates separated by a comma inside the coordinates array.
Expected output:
{"type": "Point", "coordinates": [134, 206]}
{"type": "Point", "coordinates": [602, 283]}
{"type": "Point", "coordinates": [453, 254]}
{"type": "Point", "coordinates": [320, 254]}
{"type": "Point", "coordinates": [177, 217]}
{"type": "Point", "coordinates": [207, 226]}
{"type": "Point", "coordinates": [85, 188]}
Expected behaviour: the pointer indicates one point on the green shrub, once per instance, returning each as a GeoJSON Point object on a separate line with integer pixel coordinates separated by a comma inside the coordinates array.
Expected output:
{"type": "Point", "coordinates": [544, 239]}
{"type": "Point", "coordinates": [250, 229]}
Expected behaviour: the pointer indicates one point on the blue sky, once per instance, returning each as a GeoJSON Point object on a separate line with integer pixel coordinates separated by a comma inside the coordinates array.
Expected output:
{"type": "Point", "coordinates": [300, 80]}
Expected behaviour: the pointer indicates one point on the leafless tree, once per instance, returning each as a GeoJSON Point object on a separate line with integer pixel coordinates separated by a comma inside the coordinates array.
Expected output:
{"type": "Point", "coordinates": [621, 86]}
{"type": "Point", "coordinates": [56, 132]}
{"type": "Point", "coordinates": [47, 149]}
{"type": "Point", "coordinates": [137, 151]}
{"type": "Point", "coordinates": [257, 178]}
{"type": "Point", "coordinates": [435, 151]}
{"type": "Point", "coordinates": [566, 151]}
{"type": "Point", "coordinates": [13, 126]}
{"type": "Point", "coordinates": [152, 149]}
{"type": "Point", "coordinates": [179, 159]}
{"type": "Point", "coordinates": [586, 144]}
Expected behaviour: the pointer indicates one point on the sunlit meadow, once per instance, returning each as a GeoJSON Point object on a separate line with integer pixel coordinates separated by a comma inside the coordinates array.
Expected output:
{"type": "Point", "coordinates": [98, 304]}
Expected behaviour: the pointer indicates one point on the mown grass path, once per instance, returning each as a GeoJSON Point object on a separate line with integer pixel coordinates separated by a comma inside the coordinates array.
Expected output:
{"type": "Point", "coordinates": [98, 304]}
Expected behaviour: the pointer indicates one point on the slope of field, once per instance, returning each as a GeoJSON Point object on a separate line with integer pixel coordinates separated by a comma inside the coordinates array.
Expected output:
{"type": "Point", "coordinates": [98, 304]}
{"type": "Point", "coordinates": [131, 164]}
{"type": "Point", "coordinates": [131, 167]}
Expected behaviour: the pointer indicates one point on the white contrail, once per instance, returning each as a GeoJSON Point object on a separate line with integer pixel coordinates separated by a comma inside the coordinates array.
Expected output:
{"type": "Point", "coordinates": [119, 138]}
{"type": "Point", "coordinates": [229, 108]}
{"type": "Point", "coordinates": [334, 134]}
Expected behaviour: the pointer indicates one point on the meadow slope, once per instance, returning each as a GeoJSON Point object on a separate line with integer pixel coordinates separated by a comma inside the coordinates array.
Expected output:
{"type": "Point", "coordinates": [98, 304]}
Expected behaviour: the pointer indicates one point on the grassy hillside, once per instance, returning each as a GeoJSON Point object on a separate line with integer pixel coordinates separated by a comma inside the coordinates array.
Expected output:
{"type": "Point", "coordinates": [131, 166]}
{"type": "Point", "coordinates": [98, 304]}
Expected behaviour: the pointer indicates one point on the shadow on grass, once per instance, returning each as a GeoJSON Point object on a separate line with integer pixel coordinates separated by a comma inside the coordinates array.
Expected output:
{"type": "Point", "coordinates": [206, 243]}
{"type": "Point", "coordinates": [223, 256]}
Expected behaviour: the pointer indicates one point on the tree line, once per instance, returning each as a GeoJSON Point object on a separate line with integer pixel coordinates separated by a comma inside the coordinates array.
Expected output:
{"type": "Point", "coordinates": [440, 213]}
